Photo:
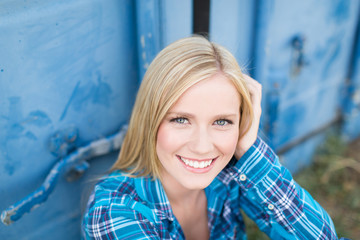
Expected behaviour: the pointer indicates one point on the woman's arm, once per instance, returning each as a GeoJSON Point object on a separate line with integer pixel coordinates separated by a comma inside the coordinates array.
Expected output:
{"type": "Point", "coordinates": [278, 205]}
{"type": "Point", "coordinates": [270, 196]}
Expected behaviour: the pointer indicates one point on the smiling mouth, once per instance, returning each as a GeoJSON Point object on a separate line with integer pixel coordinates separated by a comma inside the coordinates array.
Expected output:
{"type": "Point", "coordinates": [196, 164]}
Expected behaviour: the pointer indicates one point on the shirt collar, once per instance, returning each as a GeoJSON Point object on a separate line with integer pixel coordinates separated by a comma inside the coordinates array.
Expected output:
{"type": "Point", "coordinates": [152, 191]}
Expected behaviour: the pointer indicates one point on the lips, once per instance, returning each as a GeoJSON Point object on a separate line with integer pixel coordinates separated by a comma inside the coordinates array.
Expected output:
{"type": "Point", "coordinates": [197, 164]}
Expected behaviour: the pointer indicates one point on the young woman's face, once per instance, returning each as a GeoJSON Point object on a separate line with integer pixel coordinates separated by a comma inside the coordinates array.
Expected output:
{"type": "Point", "coordinates": [198, 136]}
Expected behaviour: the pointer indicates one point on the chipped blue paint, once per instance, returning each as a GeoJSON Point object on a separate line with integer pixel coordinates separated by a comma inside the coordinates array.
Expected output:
{"type": "Point", "coordinates": [63, 141]}
{"type": "Point", "coordinates": [76, 159]}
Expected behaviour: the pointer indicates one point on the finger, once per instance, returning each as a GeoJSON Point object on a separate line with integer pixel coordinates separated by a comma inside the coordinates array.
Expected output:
{"type": "Point", "coordinates": [255, 91]}
{"type": "Point", "coordinates": [253, 84]}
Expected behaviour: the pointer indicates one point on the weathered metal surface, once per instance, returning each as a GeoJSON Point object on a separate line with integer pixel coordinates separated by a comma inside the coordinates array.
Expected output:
{"type": "Point", "coordinates": [76, 161]}
{"type": "Point", "coordinates": [159, 24]}
{"type": "Point", "coordinates": [68, 63]}
{"type": "Point", "coordinates": [300, 51]}
{"type": "Point", "coordinates": [309, 99]}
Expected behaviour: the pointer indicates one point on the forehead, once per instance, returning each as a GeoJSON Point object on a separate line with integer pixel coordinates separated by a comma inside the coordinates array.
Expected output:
{"type": "Point", "coordinates": [216, 93]}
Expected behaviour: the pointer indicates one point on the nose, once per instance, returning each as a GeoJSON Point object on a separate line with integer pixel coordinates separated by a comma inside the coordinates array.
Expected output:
{"type": "Point", "coordinates": [201, 142]}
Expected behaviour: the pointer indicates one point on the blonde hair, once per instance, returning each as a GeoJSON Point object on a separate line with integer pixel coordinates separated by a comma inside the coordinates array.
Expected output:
{"type": "Point", "coordinates": [174, 70]}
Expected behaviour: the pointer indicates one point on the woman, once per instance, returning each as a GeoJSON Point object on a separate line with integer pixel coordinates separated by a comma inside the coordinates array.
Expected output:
{"type": "Point", "coordinates": [191, 159]}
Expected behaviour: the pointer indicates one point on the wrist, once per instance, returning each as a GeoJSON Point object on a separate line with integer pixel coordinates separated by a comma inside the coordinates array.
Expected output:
{"type": "Point", "coordinates": [239, 152]}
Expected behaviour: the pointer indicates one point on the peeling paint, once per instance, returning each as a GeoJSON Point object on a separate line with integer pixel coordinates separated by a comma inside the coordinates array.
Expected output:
{"type": "Point", "coordinates": [63, 141]}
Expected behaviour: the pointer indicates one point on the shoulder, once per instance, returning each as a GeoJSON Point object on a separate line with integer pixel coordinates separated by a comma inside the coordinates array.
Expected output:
{"type": "Point", "coordinates": [113, 188]}
{"type": "Point", "coordinates": [113, 210]}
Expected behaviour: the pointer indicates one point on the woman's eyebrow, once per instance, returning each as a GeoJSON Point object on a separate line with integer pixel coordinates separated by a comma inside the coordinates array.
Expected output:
{"type": "Point", "coordinates": [189, 115]}
{"type": "Point", "coordinates": [229, 115]}
{"type": "Point", "coordinates": [182, 114]}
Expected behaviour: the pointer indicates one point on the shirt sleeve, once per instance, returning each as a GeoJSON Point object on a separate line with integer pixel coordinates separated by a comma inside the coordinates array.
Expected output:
{"type": "Point", "coordinates": [116, 222]}
{"type": "Point", "coordinates": [278, 205]}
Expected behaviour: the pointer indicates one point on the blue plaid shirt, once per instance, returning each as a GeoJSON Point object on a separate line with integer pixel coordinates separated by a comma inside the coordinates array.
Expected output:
{"type": "Point", "coordinates": [122, 207]}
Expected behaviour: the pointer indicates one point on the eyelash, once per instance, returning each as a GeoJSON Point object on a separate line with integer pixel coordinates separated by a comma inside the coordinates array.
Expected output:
{"type": "Point", "coordinates": [226, 122]}
{"type": "Point", "coordinates": [183, 119]}
{"type": "Point", "coordinates": [177, 119]}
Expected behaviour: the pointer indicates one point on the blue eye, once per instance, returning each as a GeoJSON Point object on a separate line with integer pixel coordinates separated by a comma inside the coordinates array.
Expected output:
{"type": "Point", "coordinates": [179, 120]}
{"type": "Point", "coordinates": [222, 122]}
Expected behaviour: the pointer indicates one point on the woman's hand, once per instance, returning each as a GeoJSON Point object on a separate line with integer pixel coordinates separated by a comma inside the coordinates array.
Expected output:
{"type": "Point", "coordinates": [246, 141]}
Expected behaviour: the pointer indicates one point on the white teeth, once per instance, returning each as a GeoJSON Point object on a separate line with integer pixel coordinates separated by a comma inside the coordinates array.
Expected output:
{"type": "Point", "coordinates": [196, 164]}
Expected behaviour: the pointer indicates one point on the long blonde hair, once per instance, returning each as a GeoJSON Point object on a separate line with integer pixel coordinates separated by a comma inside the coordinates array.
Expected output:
{"type": "Point", "coordinates": [174, 70]}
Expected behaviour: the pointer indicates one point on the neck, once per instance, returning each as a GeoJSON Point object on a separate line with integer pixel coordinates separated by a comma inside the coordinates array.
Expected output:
{"type": "Point", "coordinates": [178, 194]}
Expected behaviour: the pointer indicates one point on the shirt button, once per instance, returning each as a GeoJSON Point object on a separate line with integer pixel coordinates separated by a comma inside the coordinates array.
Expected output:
{"type": "Point", "coordinates": [242, 177]}
{"type": "Point", "coordinates": [270, 206]}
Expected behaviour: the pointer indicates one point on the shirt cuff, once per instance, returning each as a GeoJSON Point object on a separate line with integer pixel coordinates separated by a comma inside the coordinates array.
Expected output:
{"type": "Point", "coordinates": [255, 164]}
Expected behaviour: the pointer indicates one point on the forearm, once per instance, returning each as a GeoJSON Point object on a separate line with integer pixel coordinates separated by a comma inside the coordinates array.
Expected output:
{"type": "Point", "coordinates": [275, 201]}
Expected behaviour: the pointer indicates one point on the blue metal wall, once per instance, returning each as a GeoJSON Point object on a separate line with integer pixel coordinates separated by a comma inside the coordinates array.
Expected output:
{"type": "Point", "coordinates": [68, 64]}
{"type": "Point", "coordinates": [301, 51]}
{"type": "Point", "coordinates": [69, 72]}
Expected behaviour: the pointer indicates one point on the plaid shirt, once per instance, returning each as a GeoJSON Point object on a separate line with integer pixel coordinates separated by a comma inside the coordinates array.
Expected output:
{"type": "Point", "coordinates": [122, 207]}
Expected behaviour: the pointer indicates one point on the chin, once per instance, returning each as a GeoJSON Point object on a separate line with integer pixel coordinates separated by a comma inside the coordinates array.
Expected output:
{"type": "Point", "coordinates": [197, 185]}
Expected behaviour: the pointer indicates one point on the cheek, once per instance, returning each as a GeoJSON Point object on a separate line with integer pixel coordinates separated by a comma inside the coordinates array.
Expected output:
{"type": "Point", "coordinates": [228, 142]}
{"type": "Point", "coordinates": [167, 140]}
